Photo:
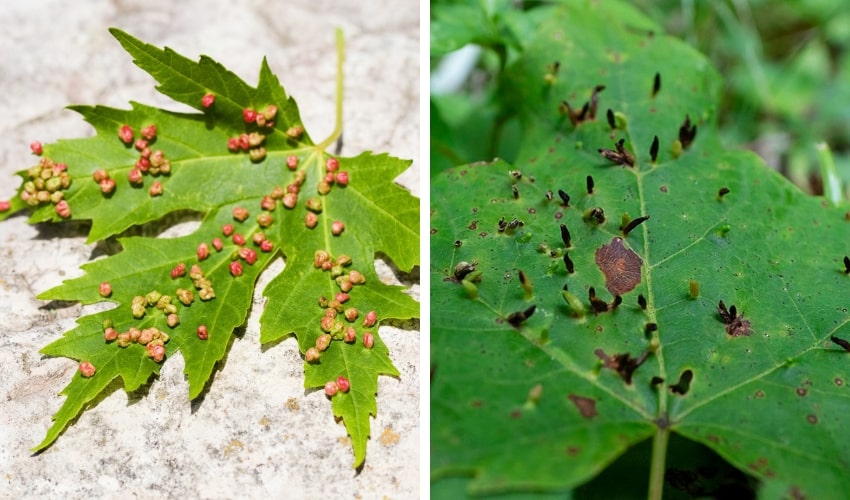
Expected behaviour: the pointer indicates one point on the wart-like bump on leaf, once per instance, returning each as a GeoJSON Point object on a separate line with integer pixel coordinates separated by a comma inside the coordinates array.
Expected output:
{"type": "Point", "coordinates": [843, 343]}
{"type": "Point", "coordinates": [623, 363]}
{"type": "Point", "coordinates": [736, 325]}
{"type": "Point", "coordinates": [516, 319]}
{"type": "Point", "coordinates": [620, 265]}
{"type": "Point", "coordinates": [681, 387]}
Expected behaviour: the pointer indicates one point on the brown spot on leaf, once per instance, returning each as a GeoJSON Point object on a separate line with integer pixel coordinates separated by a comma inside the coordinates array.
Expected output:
{"type": "Point", "coordinates": [476, 403]}
{"type": "Point", "coordinates": [473, 225]}
{"type": "Point", "coordinates": [812, 418]}
{"type": "Point", "coordinates": [586, 406]}
{"type": "Point", "coordinates": [623, 364]}
{"type": "Point", "coordinates": [760, 465]}
{"type": "Point", "coordinates": [843, 343]}
{"type": "Point", "coordinates": [620, 265]}
{"type": "Point", "coordinates": [681, 387]}
{"type": "Point", "coordinates": [838, 381]}
{"type": "Point", "coordinates": [759, 394]}
{"type": "Point", "coordinates": [736, 325]}
{"type": "Point", "coordinates": [515, 414]}
{"type": "Point", "coordinates": [801, 391]}
{"type": "Point", "coordinates": [663, 189]}
{"type": "Point", "coordinates": [573, 450]}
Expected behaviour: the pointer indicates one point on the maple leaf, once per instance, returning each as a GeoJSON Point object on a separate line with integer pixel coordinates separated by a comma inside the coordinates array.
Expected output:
{"type": "Point", "coordinates": [264, 190]}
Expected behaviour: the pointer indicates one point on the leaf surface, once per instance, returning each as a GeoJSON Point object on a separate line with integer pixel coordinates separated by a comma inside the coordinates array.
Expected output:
{"type": "Point", "coordinates": [558, 403]}
{"type": "Point", "coordinates": [253, 209]}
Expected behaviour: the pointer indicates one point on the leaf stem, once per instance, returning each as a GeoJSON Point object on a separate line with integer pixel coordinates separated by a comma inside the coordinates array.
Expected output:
{"type": "Point", "coordinates": [832, 189]}
{"type": "Point", "coordinates": [657, 466]}
{"type": "Point", "coordinates": [337, 131]}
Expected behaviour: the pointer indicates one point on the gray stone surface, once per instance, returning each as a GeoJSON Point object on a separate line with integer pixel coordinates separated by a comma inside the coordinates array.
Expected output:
{"type": "Point", "coordinates": [257, 432]}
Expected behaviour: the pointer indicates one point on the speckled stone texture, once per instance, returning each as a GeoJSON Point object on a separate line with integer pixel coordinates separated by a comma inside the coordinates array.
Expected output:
{"type": "Point", "coordinates": [256, 432]}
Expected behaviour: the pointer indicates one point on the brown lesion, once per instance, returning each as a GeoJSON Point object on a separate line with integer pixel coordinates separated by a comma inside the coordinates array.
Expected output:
{"type": "Point", "coordinates": [620, 265]}
{"type": "Point", "coordinates": [736, 325]}
{"type": "Point", "coordinates": [586, 112]}
{"type": "Point", "coordinates": [624, 364]}
{"type": "Point", "coordinates": [586, 406]}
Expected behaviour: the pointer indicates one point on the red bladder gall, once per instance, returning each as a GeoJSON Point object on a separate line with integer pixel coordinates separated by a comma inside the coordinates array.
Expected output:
{"type": "Point", "coordinates": [312, 355]}
{"type": "Point", "coordinates": [207, 100]}
{"type": "Point", "coordinates": [203, 251]}
{"type": "Point", "coordinates": [343, 384]}
{"type": "Point", "coordinates": [370, 319]}
{"type": "Point", "coordinates": [125, 133]}
{"type": "Point", "coordinates": [332, 164]}
{"type": "Point", "coordinates": [178, 271]}
{"type": "Point", "coordinates": [36, 148]}
{"type": "Point", "coordinates": [311, 220]}
{"type": "Point", "coordinates": [105, 289]}
{"type": "Point", "coordinates": [87, 369]}
{"type": "Point", "coordinates": [149, 132]}
{"type": "Point", "coordinates": [331, 388]}
{"type": "Point", "coordinates": [202, 332]}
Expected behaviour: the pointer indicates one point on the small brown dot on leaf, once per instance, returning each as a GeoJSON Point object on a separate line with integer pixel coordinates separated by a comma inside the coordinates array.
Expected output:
{"type": "Point", "coordinates": [586, 406]}
{"type": "Point", "coordinates": [812, 418]}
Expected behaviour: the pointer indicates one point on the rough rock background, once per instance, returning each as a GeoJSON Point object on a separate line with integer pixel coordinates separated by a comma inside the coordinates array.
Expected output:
{"type": "Point", "coordinates": [256, 432]}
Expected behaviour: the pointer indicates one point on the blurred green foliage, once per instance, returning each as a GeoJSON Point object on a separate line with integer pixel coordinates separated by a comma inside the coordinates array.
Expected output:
{"type": "Point", "coordinates": [786, 65]}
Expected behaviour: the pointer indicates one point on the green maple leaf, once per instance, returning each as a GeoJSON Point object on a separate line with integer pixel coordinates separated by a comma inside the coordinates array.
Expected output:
{"type": "Point", "coordinates": [538, 383]}
{"type": "Point", "coordinates": [209, 176]}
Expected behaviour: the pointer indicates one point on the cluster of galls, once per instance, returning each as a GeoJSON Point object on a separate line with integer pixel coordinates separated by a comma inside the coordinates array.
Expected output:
{"type": "Point", "coordinates": [242, 253]}
{"type": "Point", "coordinates": [201, 282]}
{"type": "Point", "coordinates": [152, 338]}
{"type": "Point", "coordinates": [164, 303]}
{"type": "Point", "coordinates": [322, 260]}
{"type": "Point", "coordinates": [288, 196]}
{"type": "Point", "coordinates": [341, 384]}
{"type": "Point", "coordinates": [150, 162]}
{"type": "Point", "coordinates": [337, 319]}
{"type": "Point", "coordinates": [333, 175]}
{"type": "Point", "coordinates": [252, 142]}
{"type": "Point", "coordinates": [46, 183]}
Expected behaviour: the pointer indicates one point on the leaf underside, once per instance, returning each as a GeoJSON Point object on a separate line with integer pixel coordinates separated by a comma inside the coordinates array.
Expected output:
{"type": "Point", "coordinates": [543, 403]}
{"type": "Point", "coordinates": [209, 178]}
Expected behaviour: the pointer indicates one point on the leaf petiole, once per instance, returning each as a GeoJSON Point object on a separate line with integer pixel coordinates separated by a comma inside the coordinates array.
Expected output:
{"type": "Point", "coordinates": [657, 466]}
{"type": "Point", "coordinates": [337, 131]}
